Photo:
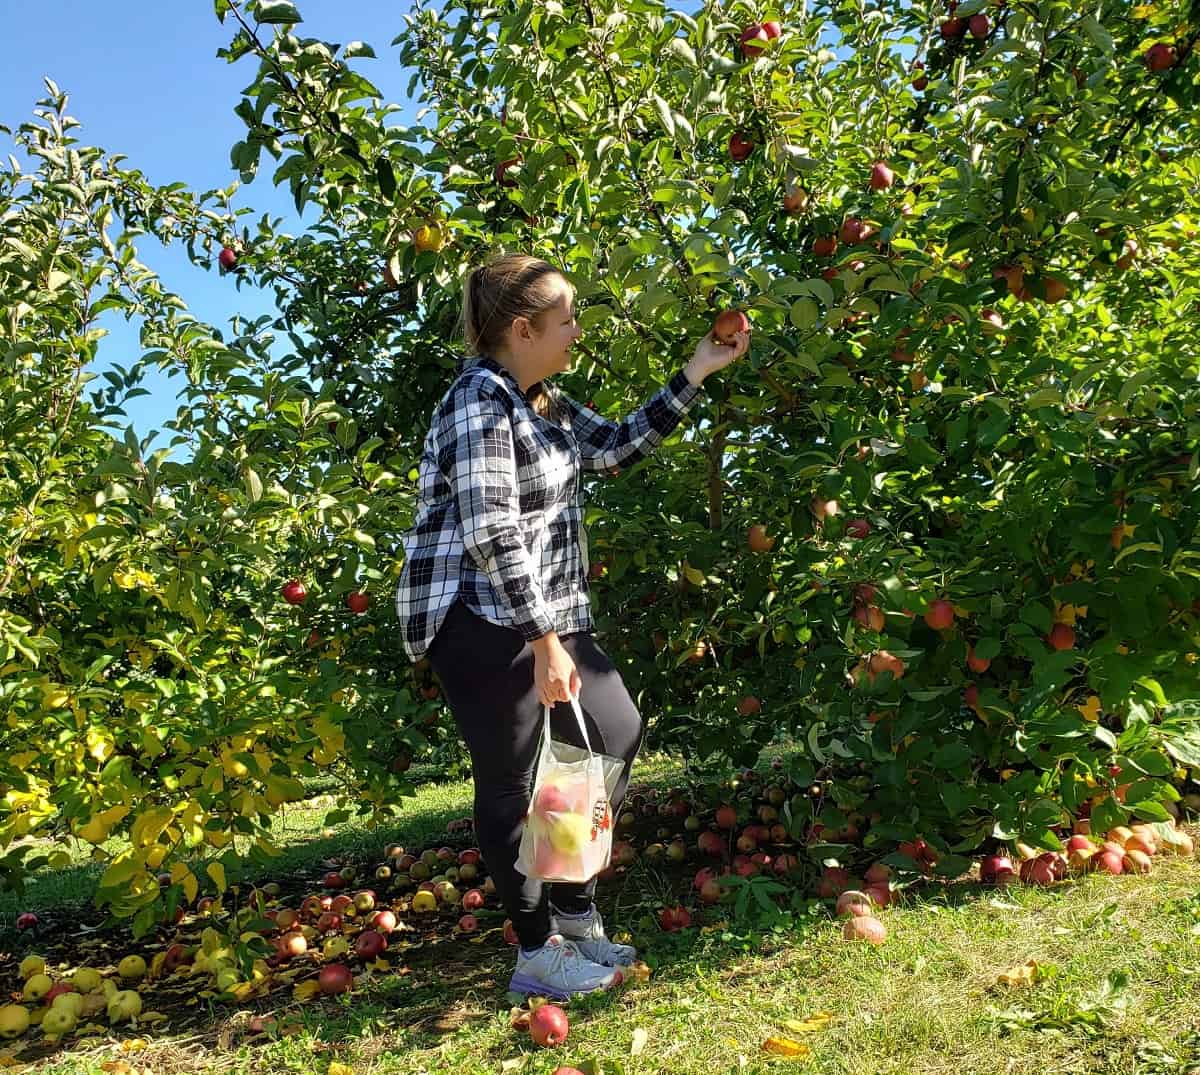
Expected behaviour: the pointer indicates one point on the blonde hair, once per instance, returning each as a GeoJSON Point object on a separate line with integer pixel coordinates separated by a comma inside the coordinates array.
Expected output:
{"type": "Point", "coordinates": [496, 294]}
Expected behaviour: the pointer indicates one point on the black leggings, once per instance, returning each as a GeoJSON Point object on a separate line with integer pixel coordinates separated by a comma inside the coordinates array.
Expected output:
{"type": "Point", "coordinates": [486, 672]}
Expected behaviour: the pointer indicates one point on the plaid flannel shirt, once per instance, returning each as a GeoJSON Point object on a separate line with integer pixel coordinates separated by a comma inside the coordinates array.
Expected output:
{"type": "Point", "coordinates": [499, 512]}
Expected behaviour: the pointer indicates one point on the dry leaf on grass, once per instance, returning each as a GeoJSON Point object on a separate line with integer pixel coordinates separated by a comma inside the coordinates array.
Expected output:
{"type": "Point", "coordinates": [337, 1068]}
{"type": "Point", "coordinates": [639, 1042]}
{"type": "Point", "coordinates": [518, 1018]}
{"type": "Point", "coordinates": [306, 991]}
{"type": "Point", "coordinates": [795, 1050]}
{"type": "Point", "coordinates": [1025, 974]}
{"type": "Point", "coordinates": [636, 972]}
{"type": "Point", "coordinates": [809, 1024]}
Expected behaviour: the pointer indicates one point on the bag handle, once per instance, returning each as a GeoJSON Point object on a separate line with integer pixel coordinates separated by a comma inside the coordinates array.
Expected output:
{"type": "Point", "coordinates": [579, 720]}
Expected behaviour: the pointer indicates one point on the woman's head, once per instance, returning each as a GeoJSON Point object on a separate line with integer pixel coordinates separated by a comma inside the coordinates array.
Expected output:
{"type": "Point", "coordinates": [520, 310]}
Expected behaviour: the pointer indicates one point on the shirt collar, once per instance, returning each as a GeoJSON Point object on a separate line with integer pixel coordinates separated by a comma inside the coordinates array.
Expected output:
{"type": "Point", "coordinates": [489, 363]}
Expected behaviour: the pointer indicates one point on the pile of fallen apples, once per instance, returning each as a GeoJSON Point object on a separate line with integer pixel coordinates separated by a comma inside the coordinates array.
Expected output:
{"type": "Point", "coordinates": [324, 931]}
{"type": "Point", "coordinates": [1124, 849]}
{"type": "Point", "coordinates": [751, 825]}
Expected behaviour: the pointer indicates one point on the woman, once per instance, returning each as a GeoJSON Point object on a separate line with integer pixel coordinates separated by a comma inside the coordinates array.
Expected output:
{"type": "Point", "coordinates": [494, 585]}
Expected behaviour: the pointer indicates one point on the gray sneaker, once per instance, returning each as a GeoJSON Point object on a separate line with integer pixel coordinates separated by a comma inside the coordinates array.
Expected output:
{"type": "Point", "coordinates": [587, 934]}
{"type": "Point", "coordinates": [558, 970]}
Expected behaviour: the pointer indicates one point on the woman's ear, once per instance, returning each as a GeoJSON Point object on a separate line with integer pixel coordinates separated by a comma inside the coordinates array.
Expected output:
{"type": "Point", "coordinates": [522, 329]}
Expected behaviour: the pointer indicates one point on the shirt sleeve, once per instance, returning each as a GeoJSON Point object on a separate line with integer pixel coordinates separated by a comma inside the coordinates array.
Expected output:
{"type": "Point", "coordinates": [604, 444]}
{"type": "Point", "coordinates": [478, 458]}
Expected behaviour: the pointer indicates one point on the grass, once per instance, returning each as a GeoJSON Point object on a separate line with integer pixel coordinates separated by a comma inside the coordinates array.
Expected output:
{"type": "Point", "coordinates": [1118, 989]}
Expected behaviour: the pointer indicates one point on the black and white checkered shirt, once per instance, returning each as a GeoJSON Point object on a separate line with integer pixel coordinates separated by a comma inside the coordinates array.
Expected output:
{"type": "Point", "coordinates": [499, 510]}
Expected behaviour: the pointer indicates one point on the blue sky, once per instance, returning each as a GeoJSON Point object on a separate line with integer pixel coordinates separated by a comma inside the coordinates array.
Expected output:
{"type": "Point", "coordinates": [152, 88]}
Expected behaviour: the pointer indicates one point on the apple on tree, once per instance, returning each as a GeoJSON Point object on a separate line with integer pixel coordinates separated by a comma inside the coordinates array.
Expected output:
{"type": "Point", "coordinates": [740, 145]}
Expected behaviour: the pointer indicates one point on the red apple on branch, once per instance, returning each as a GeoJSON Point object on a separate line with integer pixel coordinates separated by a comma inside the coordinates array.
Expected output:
{"type": "Point", "coordinates": [740, 146]}
{"type": "Point", "coordinates": [728, 324]}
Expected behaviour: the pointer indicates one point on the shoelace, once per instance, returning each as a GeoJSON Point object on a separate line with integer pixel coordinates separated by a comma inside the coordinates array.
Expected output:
{"type": "Point", "coordinates": [562, 951]}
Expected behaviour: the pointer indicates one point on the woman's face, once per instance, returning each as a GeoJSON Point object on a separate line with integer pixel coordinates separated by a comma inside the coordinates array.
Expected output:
{"type": "Point", "coordinates": [550, 352]}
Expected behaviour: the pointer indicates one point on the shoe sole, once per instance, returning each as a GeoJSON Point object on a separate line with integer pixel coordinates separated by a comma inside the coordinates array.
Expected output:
{"type": "Point", "coordinates": [534, 987]}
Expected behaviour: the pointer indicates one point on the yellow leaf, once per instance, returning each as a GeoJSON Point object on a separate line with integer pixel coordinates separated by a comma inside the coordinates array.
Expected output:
{"type": "Point", "coordinates": [307, 990]}
{"type": "Point", "coordinates": [133, 1045]}
{"type": "Point", "coordinates": [1090, 710]}
{"type": "Point", "coordinates": [217, 872]}
{"type": "Point", "coordinates": [786, 1047]}
{"type": "Point", "coordinates": [151, 1017]}
{"type": "Point", "coordinates": [637, 972]}
{"type": "Point", "coordinates": [340, 1069]}
{"type": "Point", "coordinates": [807, 1026]}
{"type": "Point", "coordinates": [1025, 974]}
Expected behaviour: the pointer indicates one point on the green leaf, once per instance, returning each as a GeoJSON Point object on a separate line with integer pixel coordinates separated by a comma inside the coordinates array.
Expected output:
{"type": "Point", "coordinates": [804, 314]}
{"type": "Point", "coordinates": [664, 113]}
{"type": "Point", "coordinates": [1096, 33]}
{"type": "Point", "coordinates": [277, 13]}
{"type": "Point", "coordinates": [254, 486]}
{"type": "Point", "coordinates": [386, 177]}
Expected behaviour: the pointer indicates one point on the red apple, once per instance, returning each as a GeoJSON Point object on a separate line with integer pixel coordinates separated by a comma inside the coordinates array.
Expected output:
{"type": "Point", "coordinates": [369, 944]}
{"type": "Point", "coordinates": [979, 25]}
{"type": "Point", "coordinates": [728, 324]}
{"type": "Point", "coordinates": [548, 1025]}
{"type": "Point", "coordinates": [358, 603]}
{"type": "Point", "coordinates": [919, 81]}
{"type": "Point", "coordinates": [726, 817]}
{"type": "Point", "coordinates": [857, 528]}
{"type": "Point", "coordinates": [824, 246]}
{"type": "Point", "coordinates": [1056, 290]}
{"type": "Point", "coordinates": [870, 617]}
{"type": "Point", "coordinates": [294, 592]}
{"type": "Point", "coordinates": [673, 919]}
{"type": "Point", "coordinates": [882, 177]}
{"type": "Point", "coordinates": [227, 258]}
{"type": "Point", "coordinates": [758, 540]}
{"type": "Point", "coordinates": [468, 923]}
{"type": "Point", "coordinates": [27, 920]}
{"type": "Point", "coordinates": [977, 664]}
{"type": "Point", "coordinates": [952, 28]}
{"type": "Point", "coordinates": [753, 40]}
{"type": "Point", "coordinates": [852, 903]}
{"type": "Point", "coordinates": [383, 921]}
{"type": "Point", "coordinates": [940, 614]}
{"type": "Point", "coordinates": [335, 978]}
{"type": "Point", "coordinates": [795, 200]}
{"type": "Point", "coordinates": [748, 706]}
{"type": "Point", "coordinates": [992, 867]}
{"type": "Point", "coordinates": [1160, 57]}
{"type": "Point", "coordinates": [1061, 637]}
{"type": "Point", "coordinates": [855, 231]}
{"type": "Point", "coordinates": [740, 146]}
{"type": "Point", "coordinates": [863, 928]}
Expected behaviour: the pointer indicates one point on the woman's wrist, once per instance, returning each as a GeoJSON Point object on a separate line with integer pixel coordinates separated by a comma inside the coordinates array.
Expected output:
{"type": "Point", "coordinates": [694, 375]}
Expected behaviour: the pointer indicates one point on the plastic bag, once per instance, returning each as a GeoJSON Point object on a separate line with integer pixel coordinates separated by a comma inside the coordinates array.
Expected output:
{"type": "Point", "coordinates": [568, 829]}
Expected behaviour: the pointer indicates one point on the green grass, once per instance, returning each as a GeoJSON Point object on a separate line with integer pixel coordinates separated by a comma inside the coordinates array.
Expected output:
{"type": "Point", "coordinates": [1119, 990]}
